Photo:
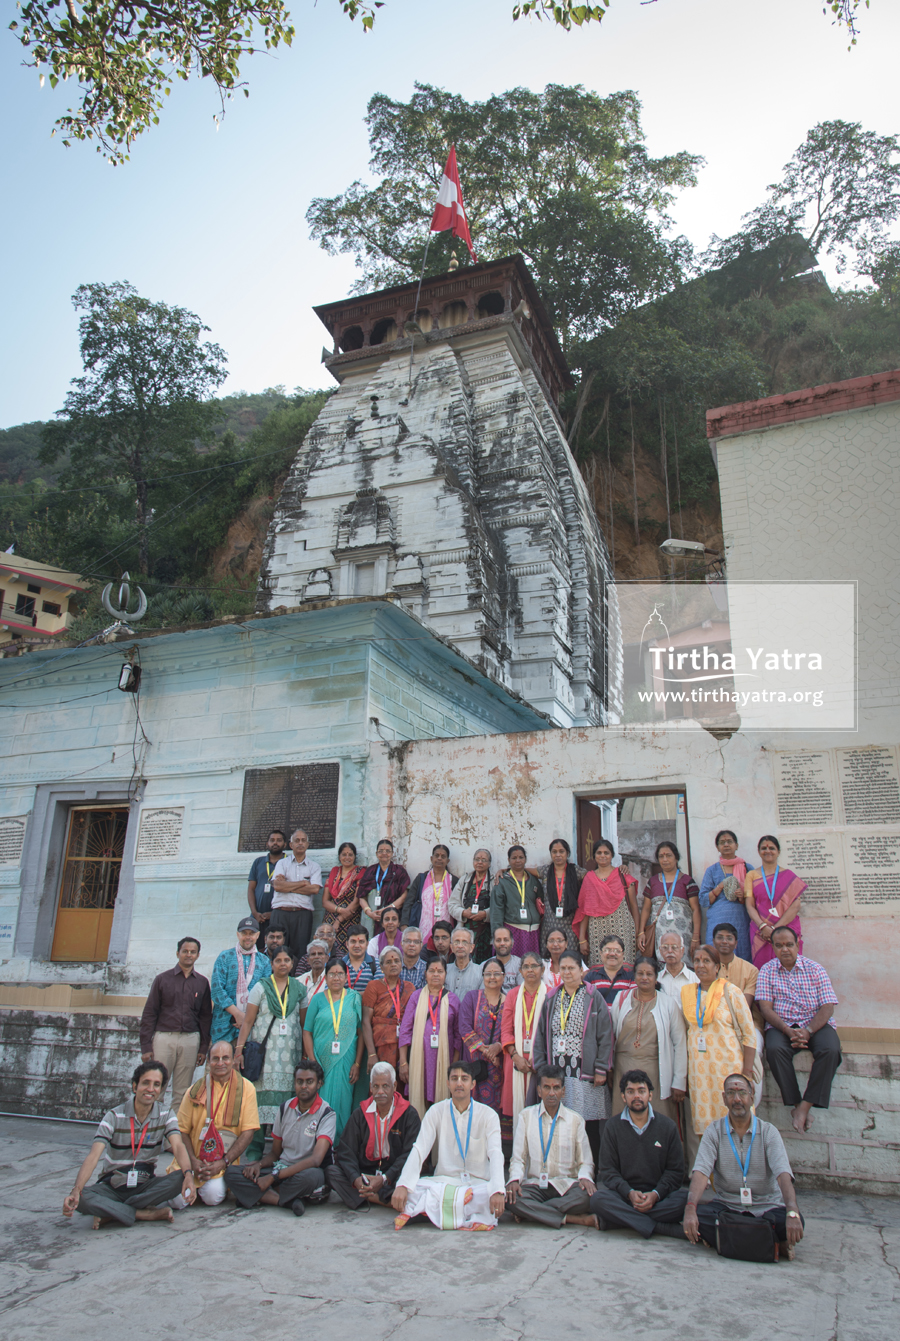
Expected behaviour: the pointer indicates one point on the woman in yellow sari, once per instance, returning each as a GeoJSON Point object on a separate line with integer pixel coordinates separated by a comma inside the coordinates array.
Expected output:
{"type": "Point", "coordinates": [721, 1037]}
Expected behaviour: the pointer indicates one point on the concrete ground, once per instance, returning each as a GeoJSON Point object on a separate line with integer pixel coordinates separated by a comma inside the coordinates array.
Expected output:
{"type": "Point", "coordinates": [223, 1272]}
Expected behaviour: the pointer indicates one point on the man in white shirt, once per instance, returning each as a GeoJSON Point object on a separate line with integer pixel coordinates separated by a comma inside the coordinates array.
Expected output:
{"type": "Point", "coordinates": [674, 975]}
{"type": "Point", "coordinates": [551, 1173]}
{"type": "Point", "coordinates": [462, 975]}
{"type": "Point", "coordinates": [467, 1190]}
{"type": "Point", "coordinates": [296, 881]}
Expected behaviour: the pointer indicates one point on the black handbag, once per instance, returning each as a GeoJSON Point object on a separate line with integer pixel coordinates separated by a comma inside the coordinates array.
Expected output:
{"type": "Point", "coordinates": [746, 1237]}
{"type": "Point", "coordinates": [255, 1055]}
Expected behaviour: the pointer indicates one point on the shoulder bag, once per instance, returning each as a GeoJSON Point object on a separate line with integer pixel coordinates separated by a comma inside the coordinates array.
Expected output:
{"type": "Point", "coordinates": [255, 1055]}
{"type": "Point", "coordinates": [748, 1238]}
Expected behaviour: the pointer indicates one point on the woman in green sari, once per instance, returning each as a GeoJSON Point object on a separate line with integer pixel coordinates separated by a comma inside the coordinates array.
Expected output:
{"type": "Point", "coordinates": [332, 1035]}
{"type": "Point", "coordinates": [276, 1009]}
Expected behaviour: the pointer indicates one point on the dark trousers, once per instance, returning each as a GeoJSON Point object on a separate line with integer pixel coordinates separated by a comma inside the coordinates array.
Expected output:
{"type": "Point", "coordinates": [609, 1206]}
{"type": "Point", "coordinates": [339, 1181]}
{"type": "Point", "coordinates": [296, 923]}
{"type": "Point", "coordinates": [120, 1203]}
{"type": "Point", "coordinates": [825, 1047]}
{"type": "Point", "coordinates": [545, 1206]}
{"type": "Point", "coordinates": [708, 1210]}
{"type": "Point", "coordinates": [248, 1193]}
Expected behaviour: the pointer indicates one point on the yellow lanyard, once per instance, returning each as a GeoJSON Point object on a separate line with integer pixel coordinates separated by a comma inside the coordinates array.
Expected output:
{"type": "Point", "coordinates": [282, 999]}
{"type": "Point", "coordinates": [520, 888]}
{"type": "Point", "coordinates": [526, 1017]}
{"type": "Point", "coordinates": [564, 1018]}
{"type": "Point", "coordinates": [437, 891]}
{"type": "Point", "coordinates": [336, 1019]}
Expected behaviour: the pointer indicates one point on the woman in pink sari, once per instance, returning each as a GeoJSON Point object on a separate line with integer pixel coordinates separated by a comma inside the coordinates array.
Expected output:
{"type": "Point", "coordinates": [772, 896]}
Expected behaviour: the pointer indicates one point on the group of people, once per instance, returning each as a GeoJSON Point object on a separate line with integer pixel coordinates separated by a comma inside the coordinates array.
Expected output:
{"type": "Point", "coordinates": [547, 1003]}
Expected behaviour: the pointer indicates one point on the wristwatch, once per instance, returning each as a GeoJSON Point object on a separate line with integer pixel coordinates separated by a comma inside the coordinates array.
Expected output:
{"type": "Point", "coordinates": [795, 1215]}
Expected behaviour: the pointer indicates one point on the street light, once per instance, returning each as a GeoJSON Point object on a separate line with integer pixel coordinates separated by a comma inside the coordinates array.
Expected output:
{"type": "Point", "coordinates": [683, 549]}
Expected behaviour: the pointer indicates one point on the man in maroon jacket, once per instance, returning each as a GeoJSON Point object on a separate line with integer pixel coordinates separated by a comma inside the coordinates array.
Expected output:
{"type": "Point", "coordinates": [176, 1019]}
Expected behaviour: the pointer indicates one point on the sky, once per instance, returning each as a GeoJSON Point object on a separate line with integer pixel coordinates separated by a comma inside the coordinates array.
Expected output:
{"type": "Point", "coordinates": [213, 219]}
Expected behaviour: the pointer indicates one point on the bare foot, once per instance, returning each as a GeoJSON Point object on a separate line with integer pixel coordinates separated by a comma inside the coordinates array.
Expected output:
{"type": "Point", "coordinates": [589, 1221]}
{"type": "Point", "coordinates": [101, 1220]}
{"type": "Point", "coordinates": [798, 1120]}
{"type": "Point", "coordinates": [155, 1213]}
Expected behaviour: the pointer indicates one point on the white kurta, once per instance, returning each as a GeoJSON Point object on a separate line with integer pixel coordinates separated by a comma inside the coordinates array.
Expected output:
{"type": "Point", "coordinates": [458, 1196]}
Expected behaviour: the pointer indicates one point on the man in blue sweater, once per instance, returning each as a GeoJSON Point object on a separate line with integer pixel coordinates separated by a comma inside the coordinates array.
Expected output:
{"type": "Point", "coordinates": [639, 1184]}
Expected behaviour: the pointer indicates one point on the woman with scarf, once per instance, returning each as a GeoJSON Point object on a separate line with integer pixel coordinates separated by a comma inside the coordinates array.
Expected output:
{"type": "Point", "coordinates": [234, 973]}
{"type": "Point", "coordinates": [521, 1011]}
{"type": "Point", "coordinates": [722, 893]}
{"type": "Point", "coordinates": [518, 904]}
{"type": "Point", "coordinates": [671, 903]}
{"type": "Point", "coordinates": [384, 1002]}
{"type": "Point", "coordinates": [276, 1009]}
{"type": "Point", "coordinates": [429, 895]}
{"type": "Point", "coordinates": [562, 880]}
{"type": "Point", "coordinates": [340, 897]}
{"type": "Point", "coordinates": [480, 1031]}
{"type": "Point", "coordinates": [429, 1039]}
{"type": "Point", "coordinates": [721, 1037]}
{"type": "Point", "coordinates": [607, 906]}
{"type": "Point", "coordinates": [470, 904]}
{"type": "Point", "coordinates": [772, 896]}
{"type": "Point", "coordinates": [333, 1036]}
{"type": "Point", "coordinates": [382, 884]}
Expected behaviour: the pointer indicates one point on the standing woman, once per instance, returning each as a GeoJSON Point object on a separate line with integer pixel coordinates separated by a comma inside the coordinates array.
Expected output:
{"type": "Point", "coordinates": [470, 904]}
{"type": "Point", "coordinates": [772, 896]}
{"type": "Point", "coordinates": [430, 894]}
{"type": "Point", "coordinates": [607, 906]}
{"type": "Point", "coordinates": [429, 1039]}
{"type": "Point", "coordinates": [480, 1033]}
{"type": "Point", "coordinates": [557, 943]}
{"type": "Point", "coordinates": [650, 1036]}
{"type": "Point", "coordinates": [340, 898]}
{"type": "Point", "coordinates": [333, 1036]}
{"type": "Point", "coordinates": [671, 903]}
{"type": "Point", "coordinates": [521, 1011]}
{"type": "Point", "coordinates": [384, 883]}
{"type": "Point", "coordinates": [384, 1002]}
{"type": "Point", "coordinates": [575, 1030]}
{"type": "Point", "coordinates": [562, 880]}
{"type": "Point", "coordinates": [722, 893]}
{"type": "Point", "coordinates": [518, 903]}
{"type": "Point", "coordinates": [276, 1010]}
{"type": "Point", "coordinates": [721, 1037]}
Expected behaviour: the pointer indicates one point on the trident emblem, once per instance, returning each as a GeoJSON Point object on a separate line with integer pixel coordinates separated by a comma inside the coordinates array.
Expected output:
{"type": "Point", "coordinates": [124, 598]}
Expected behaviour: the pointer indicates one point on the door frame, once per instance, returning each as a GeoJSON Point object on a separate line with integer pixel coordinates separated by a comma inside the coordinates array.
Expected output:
{"type": "Point", "coordinates": [73, 810]}
{"type": "Point", "coordinates": [608, 793]}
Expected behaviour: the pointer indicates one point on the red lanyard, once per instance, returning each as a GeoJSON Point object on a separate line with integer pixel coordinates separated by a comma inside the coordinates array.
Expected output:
{"type": "Point", "coordinates": [478, 889]}
{"type": "Point", "coordinates": [381, 1133]}
{"type": "Point", "coordinates": [434, 1022]}
{"type": "Point", "coordinates": [560, 886]}
{"type": "Point", "coordinates": [354, 981]}
{"type": "Point", "coordinates": [135, 1153]}
{"type": "Point", "coordinates": [396, 999]}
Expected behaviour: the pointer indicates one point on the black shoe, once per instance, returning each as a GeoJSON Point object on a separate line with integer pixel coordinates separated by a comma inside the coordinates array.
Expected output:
{"type": "Point", "coordinates": [669, 1229]}
{"type": "Point", "coordinates": [297, 1207]}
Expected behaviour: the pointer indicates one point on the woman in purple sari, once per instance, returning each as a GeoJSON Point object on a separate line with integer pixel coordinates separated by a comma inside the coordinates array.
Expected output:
{"type": "Point", "coordinates": [429, 1039]}
{"type": "Point", "coordinates": [480, 1015]}
{"type": "Point", "coordinates": [772, 896]}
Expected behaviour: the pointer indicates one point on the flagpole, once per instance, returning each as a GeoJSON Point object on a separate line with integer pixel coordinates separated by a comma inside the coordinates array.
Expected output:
{"type": "Point", "coordinates": [412, 338]}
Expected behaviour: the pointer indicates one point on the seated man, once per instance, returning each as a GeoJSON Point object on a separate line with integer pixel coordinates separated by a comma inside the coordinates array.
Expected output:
{"type": "Point", "coordinates": [225, 1097]}
{"type": "Point", "coordinates": [551, 1170]}
{"type": "Point", "coordinates": [302, 1136]}
{"type": "Point", "coordinates": [641, 1166]}
{"type": "Point", "coordinates": [462, 974]}
{"type": "Point", "coordinates": [374, 1145]}
{"type": "Point", "coordinates": [796, 998]}
{"type": "Point", "coordinates": [752, 1177]}
{"type": "Point", "coordinates": [467, 1190]}
{"type": "Point", "coordinates": [130, 1140]}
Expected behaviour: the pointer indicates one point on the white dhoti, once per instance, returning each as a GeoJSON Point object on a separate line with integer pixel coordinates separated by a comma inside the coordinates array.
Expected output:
{"type": "Point", "coordinates": [449, 1204]}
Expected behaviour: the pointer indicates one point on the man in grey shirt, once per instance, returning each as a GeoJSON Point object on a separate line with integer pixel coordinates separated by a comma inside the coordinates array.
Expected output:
{"type": "Point", "coordinates": [510, 963]}
{"type": "Point", "coordinates": [462, 975]}
{"type": "Point", "coordinates": [749, 1165]}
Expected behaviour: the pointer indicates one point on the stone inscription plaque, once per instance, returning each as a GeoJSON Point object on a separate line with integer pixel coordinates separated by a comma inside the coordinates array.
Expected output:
{"type": "Point", "coordinates": [873, 864]}
{"type": "Point", "coordinates": [870, 785]}
{"type": "Point", "coordinates": [803, 789]}
{"type": "Point", "coordinates": [818, 859]}
{"type": "Point", "coordinates": [159, 836]}
{"type": "Point", "coordinates": [12, 838]}
{"type": "Point", "coordinates": [299, 796]}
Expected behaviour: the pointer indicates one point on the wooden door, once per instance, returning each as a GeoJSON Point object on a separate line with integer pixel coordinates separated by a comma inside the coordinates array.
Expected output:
{"type": "Point", "coordinates": [589, 822]}
{"type": "Point", "coordinates": [89, 883]}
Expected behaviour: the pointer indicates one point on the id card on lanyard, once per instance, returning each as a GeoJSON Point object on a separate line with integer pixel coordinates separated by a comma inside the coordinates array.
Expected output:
{"type": "Point", "coordinates": [523, 911]}
{"type": "Point", "coordinates": [131, 1178]}
{"type": "Point", "coordinates": [560, 887]}
{"type": "Point", "coordinates": [336, 1022]}
{"type": "Point", "coordinates": [744, 1165]}
{"type": "Point", "coordinates": [669, 914]}
{"type": "Point", "coordinates": [435, 1023]}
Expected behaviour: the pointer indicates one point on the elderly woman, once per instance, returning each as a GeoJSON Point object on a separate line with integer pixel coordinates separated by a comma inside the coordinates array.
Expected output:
{"type": "Point", "coordinates": [721, 1037]}
{"type": "Point", "coordinates": [333, 1038]}
{"type": "Point", "coordinates": [386, 883]}
{"type": "Point", "coordinates": [612, 977]}
{"type": "Point", "coordinates": [575, 1031]}
{"type": "Point", "coordinates": [671, 903]}
{"type": "Point", "coordinates": [218, 1119]}
{"type": "Point", "coordinates": [650, 1036]}
{"type": "Point", "coordinates": [340, 897]}
{"type": "Point", "coordinates": [429, 1039]}
{"type": "Point", "coordinates": [518, 1026]}
{"type": "Point", "coordinates": [384, 1002]}
{"type": "Point", "coordinates": [388, 935]}
{"type": "Point", "coordinates": [470, 903]}
{"type": "Point", "coordinates": [772, 897]}
{"type": "Point", "coordinates": [517, 904]}
{"type": "Point", "coordinates": [607, 906]}
{"type": "Point", "coordinates": [722, 892]}
{"type": "Point", "coordinates": [276, 1011]}
{"type": "Point", "coordinates": [562, 881]}
{"type": "Point", "coordinates": [480, 1015]}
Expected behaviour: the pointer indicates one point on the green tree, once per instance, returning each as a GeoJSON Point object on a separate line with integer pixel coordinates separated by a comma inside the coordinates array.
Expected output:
{"type": "Point", "coordinates": [561, 176]}
{"type": "Point", "coordinates": [137, 413]}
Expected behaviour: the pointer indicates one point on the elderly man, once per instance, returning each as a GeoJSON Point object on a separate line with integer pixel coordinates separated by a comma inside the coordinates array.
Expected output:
{"type": "Point", "coordinates": [130, 1140]}
{"type": "Point", "coordinates": [218, 1119]}
{"type": "Point", "coordinates": [413, 969]}
{"type": "Point", "coordinates": [468, 1189]}
{"type": "Point", "coordinates": [317, 952]}
{"type": "Point", "coordinates": [462, 974]}
{"type": "Point", "coordinates": [752, 1177]}
{"type": "Point", "coordinates": [641, 1166]}
{"type": "Point", "coordinates": [235, 973]}
{"type": "Point", "coordinates": [177, 1018]}
{"type": "Point", "coordinates": [675, 973]}
{"type": "Point", "coordinates": [325, 931]}
{"type": "Point", "coordinates": [551, 1173]}
{"type": "Point", "coordinates": [296, 881]}
{"type": "Point", "coordinates": [510, 963]}
{"type": "Point", "coordinates": [374, 1145]}
{"type": "Point", "coordinates": [796, 998]}
{"type": "Point", "coordinates": [259, 881]}
{"type": "Point", "coordinates": [302, 1136]}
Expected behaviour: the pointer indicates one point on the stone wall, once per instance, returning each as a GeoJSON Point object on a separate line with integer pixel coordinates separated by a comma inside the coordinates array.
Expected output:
{"type": "Point", "coordinates": [66, 1064]}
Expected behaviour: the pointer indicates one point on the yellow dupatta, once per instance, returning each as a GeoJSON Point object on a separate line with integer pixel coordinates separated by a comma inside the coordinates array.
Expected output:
{"type": "Point", "coordinates": [417, 1052]}
{"type": "Point", "coordinates": [689, 1002]}
{"type": "Point", "coordinates": [519, 1080]}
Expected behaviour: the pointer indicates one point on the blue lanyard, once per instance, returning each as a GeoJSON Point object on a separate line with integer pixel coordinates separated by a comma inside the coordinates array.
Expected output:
{"type": "Point", "coordinates": [744, 1168]}
{"type": "Point", "coordinates": [677, 877]}
{"type": "Point", "coordinates": [463, 1154]}
{"type": "Point", "coordinates": [379, 883]}
{"type": "Point", "coordinates": [700, 1013]}
{"type": "Point", "coordinates": [770, 892]}
{"type": "Point", "coordinates": [545, 1153]}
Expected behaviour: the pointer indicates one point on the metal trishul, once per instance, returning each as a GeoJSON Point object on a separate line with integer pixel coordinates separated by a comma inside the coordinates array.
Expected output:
{"type": "Point", "coordinates": [124, 598]}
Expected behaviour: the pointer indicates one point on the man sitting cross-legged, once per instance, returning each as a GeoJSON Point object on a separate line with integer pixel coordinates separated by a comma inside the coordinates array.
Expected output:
{"type": "Point", "coordinates": [374, 1145]}
{"type": "Point", "coordinates": [551, 1173]}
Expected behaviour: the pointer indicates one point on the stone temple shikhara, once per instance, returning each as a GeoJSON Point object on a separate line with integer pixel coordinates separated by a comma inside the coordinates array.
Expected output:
{"type": "Point", "coordinates": [445, 483]}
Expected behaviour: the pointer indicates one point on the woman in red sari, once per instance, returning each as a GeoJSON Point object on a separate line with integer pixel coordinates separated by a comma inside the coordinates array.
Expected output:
{"type": "Point", "coordinates": [607, 906]}
{"type": "Point", "coordinates": [772, 896]}
{"type": "Point", "coordinates": [339, 897]}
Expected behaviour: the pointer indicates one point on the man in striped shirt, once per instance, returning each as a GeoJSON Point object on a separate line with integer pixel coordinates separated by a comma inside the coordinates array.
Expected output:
{"type": "Point", "coordinates": [130, 1140]}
